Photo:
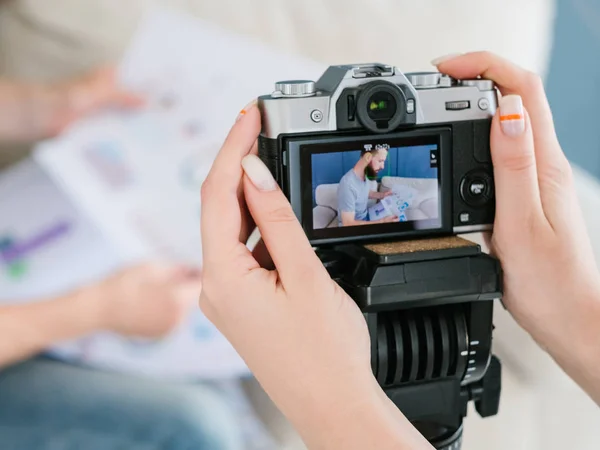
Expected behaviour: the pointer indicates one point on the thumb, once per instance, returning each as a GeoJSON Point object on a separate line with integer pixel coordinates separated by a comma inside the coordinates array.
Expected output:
{"type": "Point", "coordinates": [293, 256]}
{"type": "Point", "coordinates": [513, 156]}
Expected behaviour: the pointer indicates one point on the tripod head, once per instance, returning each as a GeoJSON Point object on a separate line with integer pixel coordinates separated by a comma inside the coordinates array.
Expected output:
{"type": "Point", "coordinates": [428, 305]}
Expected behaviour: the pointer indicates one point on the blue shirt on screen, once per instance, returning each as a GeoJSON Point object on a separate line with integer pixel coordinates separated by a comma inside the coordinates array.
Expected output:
{"type": "Point", "coordinates": [353, 196]}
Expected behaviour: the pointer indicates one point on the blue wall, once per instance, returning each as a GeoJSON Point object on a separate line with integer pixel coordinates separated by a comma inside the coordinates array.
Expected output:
{"type": "Point", "coordinates": [573, 81]}
{"type": "Point", "coordinates": [407, 162]}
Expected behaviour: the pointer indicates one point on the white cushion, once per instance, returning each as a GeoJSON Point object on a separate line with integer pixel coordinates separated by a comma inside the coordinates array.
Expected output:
{"type": "Point", "coordinates": [421, 184]}
{"type": "Point", "coordinates": [415, 214]}
{"type": "Point", "coordinates": [430, 207]}
{"type": "Point", "coordinates": [326, 195]}
{"type": "Point", "coordinates": [322, 216]}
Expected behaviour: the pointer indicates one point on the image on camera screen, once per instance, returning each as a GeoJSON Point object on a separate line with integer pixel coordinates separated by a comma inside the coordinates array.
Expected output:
{"type": "Point", "coordinates": [376, 185]}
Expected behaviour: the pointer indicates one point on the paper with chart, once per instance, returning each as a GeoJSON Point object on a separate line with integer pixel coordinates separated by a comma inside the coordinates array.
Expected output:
{"type": "Point", "coordinates": [149, 166]}
{"type": "Point", "coordinates": [124, 186]}
{"type": "Point", "coordinates": [47, 247]}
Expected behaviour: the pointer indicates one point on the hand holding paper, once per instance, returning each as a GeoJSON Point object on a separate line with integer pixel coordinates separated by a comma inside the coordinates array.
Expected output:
{"type": "Point", "coordinates": [148, 300]}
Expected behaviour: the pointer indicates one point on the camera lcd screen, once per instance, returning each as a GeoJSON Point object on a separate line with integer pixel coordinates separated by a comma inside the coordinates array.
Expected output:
{"type": "Point", "coordinates": [361, 188]}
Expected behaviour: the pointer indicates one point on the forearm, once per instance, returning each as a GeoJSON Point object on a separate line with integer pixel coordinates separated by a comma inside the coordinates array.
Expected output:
{"type": "Point", "coordinates": [363, 222]}
{"type": "Point", "coordinates": [27, 111]}
{"type": "Point", "coordinates": [348, 220]}
{"type": "Point", "coordinates": [354, 222]}
{"type": "Point", "coordinates": [28, 329]}
{"type": "Point", "coordinates": [569, 331]}
{"type": "Point", "coordinates": [359, 422]}
{"type": "Point", "coordinates": [577, 346]}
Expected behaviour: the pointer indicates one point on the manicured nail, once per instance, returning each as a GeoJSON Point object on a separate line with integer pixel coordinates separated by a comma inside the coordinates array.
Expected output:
{"type": "Point", "coordinates": [441, 59]}
{"type": "Point", "coordinates": [512, 119]}
{"type": "Point", "coordinates": [258, 173]}
{"type": "Point", "coordinates": [245, 109]}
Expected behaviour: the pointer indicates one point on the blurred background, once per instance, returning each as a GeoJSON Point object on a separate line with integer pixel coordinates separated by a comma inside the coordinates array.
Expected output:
{"type": "Point", "coordinates": [45, 41]}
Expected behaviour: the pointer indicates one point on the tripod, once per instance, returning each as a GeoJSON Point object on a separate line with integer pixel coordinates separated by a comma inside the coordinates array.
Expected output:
{"type": "Point", "coordinates": [428, 306]}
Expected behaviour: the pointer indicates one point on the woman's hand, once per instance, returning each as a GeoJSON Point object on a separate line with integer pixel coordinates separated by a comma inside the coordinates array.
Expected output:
{"type": "Point", "coordinates": [30, 112]}
{"type": "Point", "coordinates": [148, 300]}
{"type": "Point", "coordinates": [301, 335]}
{"type": "Point", "coordinates": [551, 278]}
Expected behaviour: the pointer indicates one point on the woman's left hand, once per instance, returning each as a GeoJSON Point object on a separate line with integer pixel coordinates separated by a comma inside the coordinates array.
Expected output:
{"type": "Point", "coordinates": [304, 339]}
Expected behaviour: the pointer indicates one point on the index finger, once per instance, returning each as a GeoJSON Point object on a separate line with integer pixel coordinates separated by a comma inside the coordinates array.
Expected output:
{"type": "Point", "coordinates": [221, 215]}
{"type": "Point", "coordinates": [511, 79]}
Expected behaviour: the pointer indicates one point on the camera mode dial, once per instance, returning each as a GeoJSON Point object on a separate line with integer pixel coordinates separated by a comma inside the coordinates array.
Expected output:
{"type": "Point", "coordinates": [294, 88]}
{"type": "Point", "coordinates": [479, 83]}
{"type": "Point", "coordinates": [430, 80]}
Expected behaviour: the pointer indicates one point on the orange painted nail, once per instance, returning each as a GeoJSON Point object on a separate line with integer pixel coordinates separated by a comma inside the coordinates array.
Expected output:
{"type": "Point", "coordinates": [245, 110]}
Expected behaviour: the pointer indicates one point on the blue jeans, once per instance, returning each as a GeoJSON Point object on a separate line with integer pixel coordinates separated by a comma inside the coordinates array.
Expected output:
{"type": "Point", "coordinates": [51, 405]}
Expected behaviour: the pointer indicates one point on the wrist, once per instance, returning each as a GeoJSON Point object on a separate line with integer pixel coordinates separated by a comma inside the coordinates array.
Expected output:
{"type": "Point", "coordinates": [359, 418]}
{"type": "Point", "coordinates": [91, 307]}
{"type": "Point", "coordinates": [583, 327]}
{"type": "Point", "coordinates": [566, 326]}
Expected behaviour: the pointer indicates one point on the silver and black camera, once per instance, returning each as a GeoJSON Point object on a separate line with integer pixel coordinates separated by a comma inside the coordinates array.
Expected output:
{"type": "Point", "coordinates": [383, 169]}
{"type": "Point", "coordinates": [406, 154]}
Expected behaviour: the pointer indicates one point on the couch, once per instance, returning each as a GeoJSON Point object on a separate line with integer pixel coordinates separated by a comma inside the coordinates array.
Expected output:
{"type": "Point", "coordinates": [325, 212]}
{"type": "Point", "coordinates": [40, 40]}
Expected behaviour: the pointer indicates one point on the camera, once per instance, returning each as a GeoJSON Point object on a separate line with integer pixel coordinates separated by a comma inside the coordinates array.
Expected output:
{"type": "Point", "coordinates": [432, 130]}
{"type": "Point", "coordinates": [383, 170]}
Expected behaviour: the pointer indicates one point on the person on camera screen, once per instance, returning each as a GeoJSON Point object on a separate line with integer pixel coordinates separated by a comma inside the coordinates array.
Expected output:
{"type": "Point", "coordinates": [355, 189]}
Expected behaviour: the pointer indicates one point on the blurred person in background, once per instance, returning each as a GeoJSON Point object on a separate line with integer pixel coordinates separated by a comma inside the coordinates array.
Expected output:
{"type": "Point", "coordinates": [45, 403]}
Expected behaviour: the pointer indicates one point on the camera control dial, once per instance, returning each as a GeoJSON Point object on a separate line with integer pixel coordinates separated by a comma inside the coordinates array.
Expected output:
{"type": "Point", "coordinates": [482, 85]}
{"type": "Point", "coordinates": [430, 80]}
{"type": "Point", "coordinates": [294, 88]}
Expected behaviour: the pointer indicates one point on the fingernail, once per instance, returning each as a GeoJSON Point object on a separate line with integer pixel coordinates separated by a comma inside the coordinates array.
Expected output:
{"type": "Point", "coordinates": [441, 59]}
{"type": "Point", "coordinates": [258, 173]}
{"type": "Point", "coordinates": [512, 119]}
{"type": "Point", "coordinates": [245, 109]}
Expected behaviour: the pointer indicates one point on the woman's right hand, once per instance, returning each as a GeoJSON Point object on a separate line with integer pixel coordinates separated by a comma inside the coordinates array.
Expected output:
{"type": "Point", "coordinates": [147, 300]}
{"type": "Point", "coordinates": [552, 284]}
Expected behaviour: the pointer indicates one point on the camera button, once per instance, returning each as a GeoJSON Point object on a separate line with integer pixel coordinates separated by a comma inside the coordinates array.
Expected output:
{"type": "Point", "coordinates": [483, 104]}
{"type": "Point", "coordinates": [316, 116]}
{"type": "Point", "coordinates": [476, 189]}
{"type": "Point", "coordinates": [458, 105]}
{"type": "Point", "coordinates": [410, 106]}
{"type": "Point", "coordinates": [464, 217]}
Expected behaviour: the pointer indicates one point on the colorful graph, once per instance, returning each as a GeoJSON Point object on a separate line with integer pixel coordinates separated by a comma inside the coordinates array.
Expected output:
{"type": "Point", "coordinates": [107, 160]}
{"type": "Point", "coordinates": [15, 253]}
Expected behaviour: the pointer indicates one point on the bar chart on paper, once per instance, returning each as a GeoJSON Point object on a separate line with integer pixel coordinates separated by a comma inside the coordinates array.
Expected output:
{"type": "Point", "coordinates": [14, 252]}
{"type": "Point", "coordinates": [43, 233]}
